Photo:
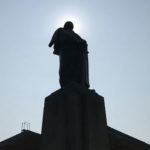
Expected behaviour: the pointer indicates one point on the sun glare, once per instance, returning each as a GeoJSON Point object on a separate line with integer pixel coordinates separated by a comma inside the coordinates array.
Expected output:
{"type": "Point", "coordinates": [75, 21]}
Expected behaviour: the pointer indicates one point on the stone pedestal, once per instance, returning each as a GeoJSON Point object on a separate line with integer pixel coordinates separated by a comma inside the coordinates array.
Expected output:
{"type": "Point", "coordinates": [74, 119]}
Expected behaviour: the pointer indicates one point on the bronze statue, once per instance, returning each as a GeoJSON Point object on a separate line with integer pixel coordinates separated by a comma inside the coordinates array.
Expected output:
{"type": "Point", "coordinates": [72, 50]}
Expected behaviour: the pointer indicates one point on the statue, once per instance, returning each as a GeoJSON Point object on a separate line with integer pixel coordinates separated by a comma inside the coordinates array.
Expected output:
{"type": "Point", "coordinates": [73, 54]}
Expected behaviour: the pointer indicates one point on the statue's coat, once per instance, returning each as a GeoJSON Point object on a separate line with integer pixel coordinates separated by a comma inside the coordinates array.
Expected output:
{"type": "Point", "coordinates": [72, 50]}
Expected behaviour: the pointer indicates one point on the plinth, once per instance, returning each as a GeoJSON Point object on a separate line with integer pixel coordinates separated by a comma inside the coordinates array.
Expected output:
{"type": "Point", "coordinates": [74, 119]}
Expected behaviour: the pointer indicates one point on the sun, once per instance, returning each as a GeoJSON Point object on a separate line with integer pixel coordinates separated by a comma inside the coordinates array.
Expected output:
{"type": "Point", "coordinates": [74, 20]}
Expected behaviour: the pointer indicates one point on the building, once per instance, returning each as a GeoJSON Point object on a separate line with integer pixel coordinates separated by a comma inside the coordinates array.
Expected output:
{"type": "Point", "coordinates": [28, 140]}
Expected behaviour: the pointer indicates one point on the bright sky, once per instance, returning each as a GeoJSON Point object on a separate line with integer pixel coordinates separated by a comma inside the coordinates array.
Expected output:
{"type": "Point", "coordinates": [118, 36]}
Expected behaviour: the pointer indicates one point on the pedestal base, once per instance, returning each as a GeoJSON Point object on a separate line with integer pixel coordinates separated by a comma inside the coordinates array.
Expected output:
{"type": "Point", "coordinates": [74, 119]}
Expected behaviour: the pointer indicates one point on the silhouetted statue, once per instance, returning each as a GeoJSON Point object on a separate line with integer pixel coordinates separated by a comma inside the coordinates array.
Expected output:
{"type": "Point", "coordinates": [72, 50]}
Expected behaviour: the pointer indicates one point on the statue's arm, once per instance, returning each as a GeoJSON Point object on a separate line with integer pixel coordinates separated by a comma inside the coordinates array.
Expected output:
{"type": "Point", "coordinates": [54, 37]}
{"type": "Point", "coordinates": [82, 44]}
{"type": "Point", "coordinates": [55, 41]}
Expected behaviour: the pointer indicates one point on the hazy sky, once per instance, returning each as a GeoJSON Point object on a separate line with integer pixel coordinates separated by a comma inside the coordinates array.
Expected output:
{"type": "Point", "coordinates": [118, 36]}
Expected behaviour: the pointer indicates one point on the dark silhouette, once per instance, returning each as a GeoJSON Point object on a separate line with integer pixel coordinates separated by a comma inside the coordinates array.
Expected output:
{"type": "Point", "coordinates": [72, 50]}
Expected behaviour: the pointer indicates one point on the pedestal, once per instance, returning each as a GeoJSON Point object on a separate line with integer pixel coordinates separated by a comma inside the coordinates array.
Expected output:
{"type": "Point", "coordinates": [74, 119]}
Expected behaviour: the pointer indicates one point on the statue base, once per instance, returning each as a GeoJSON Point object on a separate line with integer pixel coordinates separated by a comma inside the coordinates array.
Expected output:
{"type": "Point", "coordinates": [74, 119]}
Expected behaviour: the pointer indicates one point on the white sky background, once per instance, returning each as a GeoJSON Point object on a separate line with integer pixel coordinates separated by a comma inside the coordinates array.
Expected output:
{"type": "Point", "coordinates": [118, 35]}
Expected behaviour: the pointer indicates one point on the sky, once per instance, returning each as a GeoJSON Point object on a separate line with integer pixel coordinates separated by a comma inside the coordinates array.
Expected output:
{"type": "Point", "coordinates": [118, 37]}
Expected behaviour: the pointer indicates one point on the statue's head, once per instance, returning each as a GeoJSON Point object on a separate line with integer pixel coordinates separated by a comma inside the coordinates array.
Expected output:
{"type": "Point", "coordinates": [68, 25]}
